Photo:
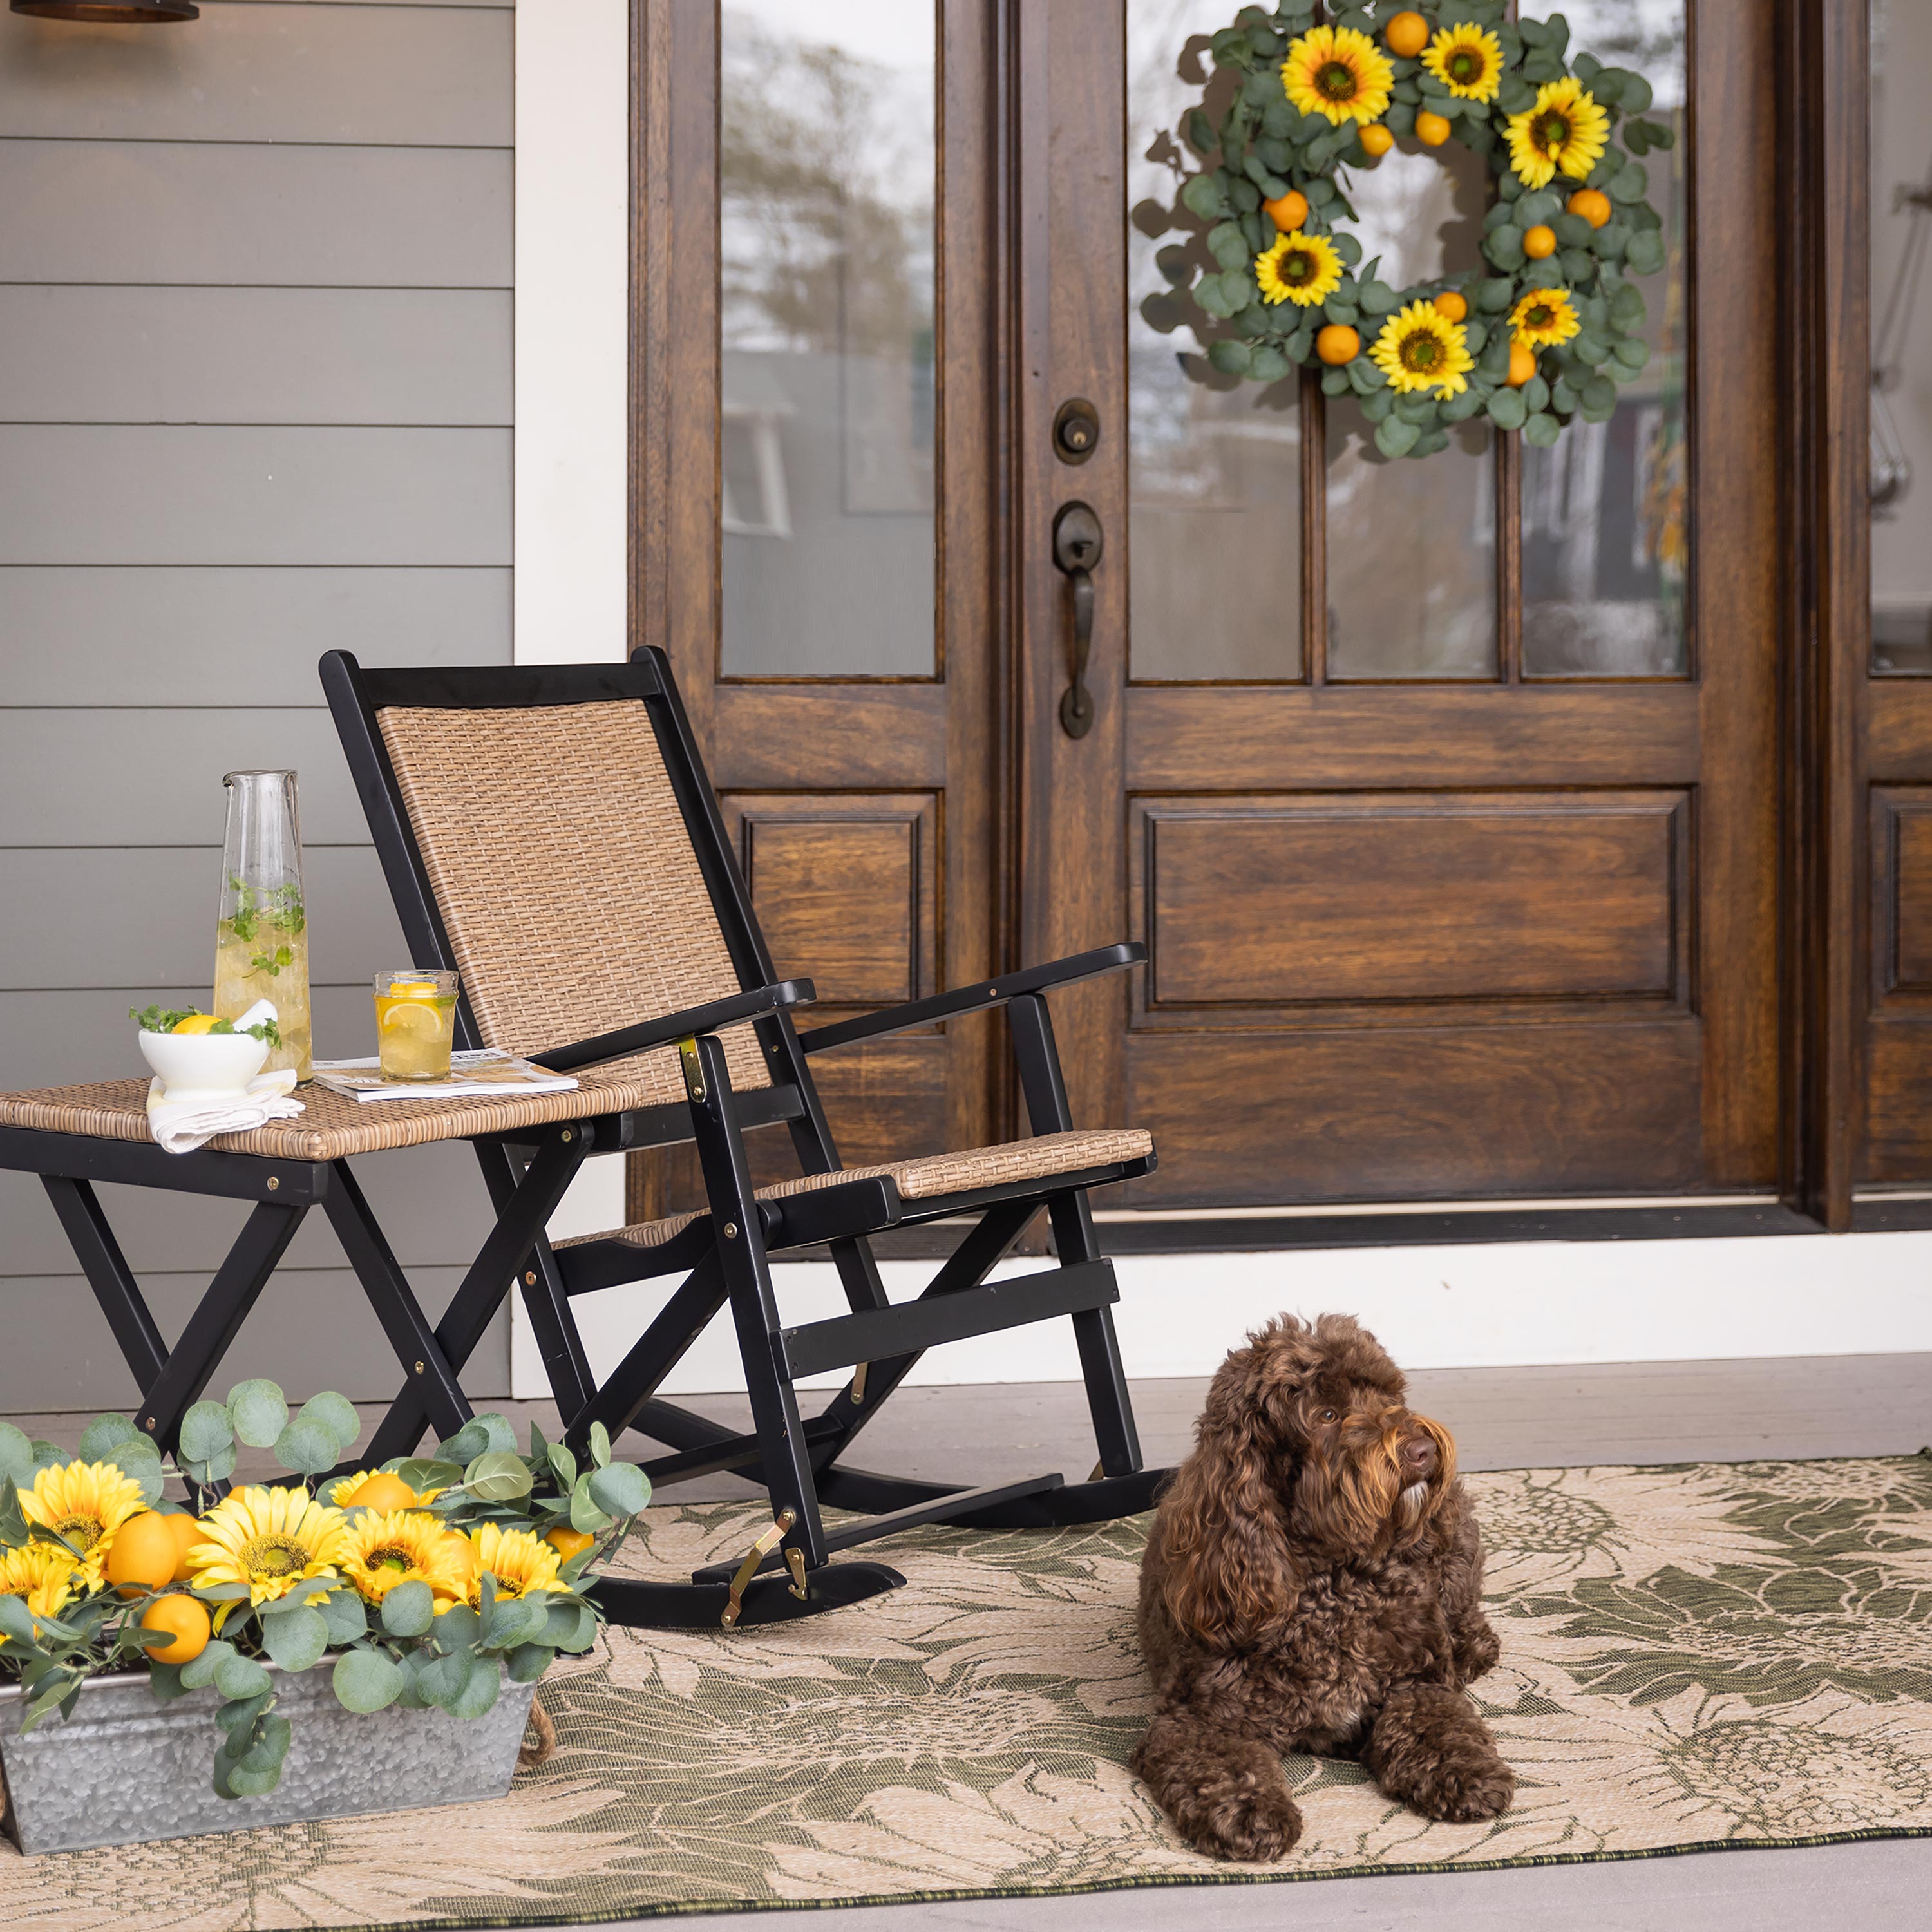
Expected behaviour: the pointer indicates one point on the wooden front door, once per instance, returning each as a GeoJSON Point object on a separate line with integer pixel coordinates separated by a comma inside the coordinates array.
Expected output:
{"type": "Point", "coordinates": [1443, 793]}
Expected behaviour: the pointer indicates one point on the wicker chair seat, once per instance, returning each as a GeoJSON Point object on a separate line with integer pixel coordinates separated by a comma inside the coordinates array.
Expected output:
{"type": "Point", "coordinates": [928, 1176]}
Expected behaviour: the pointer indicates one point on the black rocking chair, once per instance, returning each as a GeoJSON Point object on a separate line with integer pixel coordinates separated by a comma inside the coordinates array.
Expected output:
{"type": "Point", "coordinates": [551, 833]}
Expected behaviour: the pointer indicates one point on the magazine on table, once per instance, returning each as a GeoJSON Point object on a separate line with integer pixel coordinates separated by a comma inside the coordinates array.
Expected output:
{"type": "Point", "coordinates": [480, 1070]}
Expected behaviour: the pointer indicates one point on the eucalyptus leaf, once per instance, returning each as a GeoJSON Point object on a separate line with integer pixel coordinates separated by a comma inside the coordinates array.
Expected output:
{"type": "Point", "coordinates": [1645, 252]}
{"type": "Point", "coordinates": [584, 1514]}
{"type": "Point", "coordinates": [443, 1680]}
{"type": "Point", "coordinates": [1507, 409]}
{"type": "Point", "coordinates": [409, 1609]}
{"type": "Point", "coordinates": [1538, 206]}
{"type": "Point", "coordinates": [336, 1414]}
{"type": "Point", "coordinates": [501, 1475]}
{"type": "Point", "coordinates": [238, 1676]}
{"type": "Point", "coordinates": [257, 1413]}
{"type": "Point", "coordinates": [1599, 397]}
{"type": "Point", "coordinates": [218, 1468]}
{"type": "Point", "coordinates": [428, 1472]}
{"type": "Point", "coordinates": [1378, 298]}
{"type": "Point", "coordinates": [366, 1680]}
{"type": "Point", "coordinates": [479, 1691]}
{"type": "Point", "coordinates": [252, 1784]}
{"type": "Point", "coordinates": [1535, 394]}
{"type": "Point", "coordinates": [1542, 431]}
{"type": "Point", "coordinates": [514, 1621]}
{"type": "Point", "coordinates": [199, 1674]}
{"type": "Point", "coordinates": [1334, 382]}
{"type": "Point", "coordinates": [1396, 438]}
{"type": "Point", "coordinates": [1379, 407]}
{"type": "Point", "coordinates": [342, 1611]}
{"type": "Point", "coordinates": [457, 1628]}
{"type": "Point", "coordinates": [1637, 95]}
{"type": "Point", "coordinates": [622, 1489]}
{"type": "Point", "coordinates": [1503, 247]}
{"type": "Point", "coordinates": [1494, 294]}
{"type": "Point", "coordinates": [1631, 354]}
{"type": "Point", "coordinates": [570, 1626]}
{"type": "Point", "coordinates": [240, 1714]}
{"type": "Point", "coordinates": [164, 1683]}
{"type": "Point", "coordinates": [1266, 364]}
{"type": "Point", "coordinates": [103, 1436]}
{"type": "Point", "coordinates": [295, 1639]}
{"type": "Point", "coordinates": [1201, 194]}
{"type": "Point", "coordinates": [528, 1662]}
{"type": "Point", "coordinates": [1228, 245]}
{"type": "Point", "coordinates": [205, 1431]}
{"type": "Point", "coordinates": [306, 1447]}
{"type": "Point", "coordinates": [270, 1746]}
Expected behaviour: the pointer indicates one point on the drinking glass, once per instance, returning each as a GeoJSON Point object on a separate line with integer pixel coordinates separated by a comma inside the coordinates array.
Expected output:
{"type": "Point", "coordinates": [415, 1021]}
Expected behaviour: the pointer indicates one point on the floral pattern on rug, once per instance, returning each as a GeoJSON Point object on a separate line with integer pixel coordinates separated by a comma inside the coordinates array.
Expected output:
{"type": "Point", "coordinates": [1698, 1655]}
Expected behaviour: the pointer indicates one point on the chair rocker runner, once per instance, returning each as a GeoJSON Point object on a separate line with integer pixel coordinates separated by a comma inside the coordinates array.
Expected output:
{"type": "Point", "coordinates": [551, 833]}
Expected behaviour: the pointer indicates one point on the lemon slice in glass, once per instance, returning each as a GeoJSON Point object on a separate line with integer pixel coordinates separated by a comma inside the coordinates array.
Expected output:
{"type": "Point", "coordinates": [413, 1016]}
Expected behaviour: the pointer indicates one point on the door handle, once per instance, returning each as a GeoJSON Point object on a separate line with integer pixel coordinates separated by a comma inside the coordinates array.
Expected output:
{"type": "Point", "coordinates": [1077, 545]}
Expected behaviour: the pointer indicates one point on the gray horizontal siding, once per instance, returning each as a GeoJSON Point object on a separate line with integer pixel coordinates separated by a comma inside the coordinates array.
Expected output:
{"type": "Point", "coordinates": [94, 635]}
{"type": "Point", "coordinates": [420, 356]}
{"type": "Point", "coordinates": [312, 1329]}
{"type": "Point", "coordinates": [254, 277]}
{"type": "Point", "coordinates": [306, 216]}
{"type": "Point", "coordinates": [434, 1197]}
{"type": "Point", "coordinates": [154, 778]}
{"type": "Point", "coordinates": [394, 76]}
{"type": "Point", "coordinates": [89, 493]}
{"type": "Point", "coordinates": [118, 904]}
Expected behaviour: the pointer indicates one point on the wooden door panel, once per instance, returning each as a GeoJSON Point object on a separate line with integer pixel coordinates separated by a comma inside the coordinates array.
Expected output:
{"type": "Point", "coordinates": [1416, 1113]}
{"type": "Point", "coordinates": [1347, 735]}
{"type": "Point", "coordinates": [845, 886]}
{"type": "Point", "coordinates": [1312, 901]}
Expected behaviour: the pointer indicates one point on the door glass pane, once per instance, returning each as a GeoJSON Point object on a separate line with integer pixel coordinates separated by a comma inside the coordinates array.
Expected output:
{"type": "Point", "coordinates": [1214, 461]}
{"type": "Point", "coordinates": [1412, 543]}
{"type": "Point", "coordinates": [1605, 539]}
{"type": "Point", "coordinates": [1901, 218]}
{"type": "Point", "coordinates": [827, 170]}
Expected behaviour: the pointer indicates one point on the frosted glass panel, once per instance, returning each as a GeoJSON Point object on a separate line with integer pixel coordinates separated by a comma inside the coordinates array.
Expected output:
{"type": "Point", "coordinates": [1605, 534]}
{"type": "Point", "coordinates": [826, 172]}
{"type": "Point", "coordinates": [1901, 218]}
{"type": "Point", "coordinates": [1214, 461]}
{"type": "Point", "coordinates": [1411, 544]}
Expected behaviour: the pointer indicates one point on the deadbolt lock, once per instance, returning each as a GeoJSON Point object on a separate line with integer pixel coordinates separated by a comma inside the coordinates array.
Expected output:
{"type": "Point", "coordinates": [1076, 430]}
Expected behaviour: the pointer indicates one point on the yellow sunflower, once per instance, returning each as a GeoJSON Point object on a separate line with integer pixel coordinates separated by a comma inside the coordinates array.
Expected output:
{"type": "Point", "coordinates": [1422, 349]}
{"type": "Point", "coordinates": [1337, 72]}
{"type": "Point", "coordinates": [520, 1562]}
{"type": "Point", "coordinates": [1300, 267]}
{"type": "Point", "coordinates": [1467, 60]}
{"type": "Point", "coordinates": [40, 1573]}
{"type": "Point", "coordinates": [403, 1547]}
{"type": "Point", "coordinates": [1566, 129]}
{"type": "Point", "coordinates": [1544, 316]}
{"type": "Point", "coordinates": [271, 1539]}
{"type": "Point", "coordinates": [85, 1503]}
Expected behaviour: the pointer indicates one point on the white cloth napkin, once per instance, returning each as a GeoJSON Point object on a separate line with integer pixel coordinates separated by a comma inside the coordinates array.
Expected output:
{"type": "Point", "coordinates": [182, 1126]}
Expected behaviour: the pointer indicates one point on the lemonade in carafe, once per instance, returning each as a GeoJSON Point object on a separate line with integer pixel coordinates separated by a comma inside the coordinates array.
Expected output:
{"type": "Point", "coordinates": [261, 946]}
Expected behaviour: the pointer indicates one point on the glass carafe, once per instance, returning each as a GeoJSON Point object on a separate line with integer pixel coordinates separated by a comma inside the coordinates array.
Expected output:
{"type": "Point", "coordinates": [261, 941]}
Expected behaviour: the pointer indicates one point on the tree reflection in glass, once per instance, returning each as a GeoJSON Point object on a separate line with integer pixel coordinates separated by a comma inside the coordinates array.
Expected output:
{"type": "Point", "coordinates": [827, 170]}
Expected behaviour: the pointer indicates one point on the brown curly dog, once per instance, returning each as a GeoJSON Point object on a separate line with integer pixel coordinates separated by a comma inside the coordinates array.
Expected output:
{"type": "Point", "coordinates": [1313, 1582]}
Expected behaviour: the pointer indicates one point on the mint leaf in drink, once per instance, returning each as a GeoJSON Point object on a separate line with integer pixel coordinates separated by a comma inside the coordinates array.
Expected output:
{"type": "Point", "coordinates": [272, 963]}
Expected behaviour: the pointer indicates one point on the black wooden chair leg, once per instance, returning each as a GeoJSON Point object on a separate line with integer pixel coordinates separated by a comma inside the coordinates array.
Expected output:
{"type": "Point", "coordinates": [739, 1234]}
{"type": "Point", "coordinates": [109, 1275]}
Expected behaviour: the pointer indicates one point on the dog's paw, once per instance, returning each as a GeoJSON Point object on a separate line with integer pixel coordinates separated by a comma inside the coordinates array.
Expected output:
{"type": "Point", "coordinates": [1243, 1820]}
{"type": "Point", "coordinates": [1464, 1788]}
{"type": "Point", "coordinates": [1476, 1655]}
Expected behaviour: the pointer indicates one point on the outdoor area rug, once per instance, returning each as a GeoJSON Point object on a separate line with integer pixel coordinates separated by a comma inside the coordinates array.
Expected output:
{"type": "Point", "coordinates": [1713, 1656]}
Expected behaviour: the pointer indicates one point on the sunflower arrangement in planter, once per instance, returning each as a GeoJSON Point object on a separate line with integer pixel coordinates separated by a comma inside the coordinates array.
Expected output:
{"type": "Point", "coordinates": [1553, 323]}
{"type": "Point", "coordinates": [428, 1583]}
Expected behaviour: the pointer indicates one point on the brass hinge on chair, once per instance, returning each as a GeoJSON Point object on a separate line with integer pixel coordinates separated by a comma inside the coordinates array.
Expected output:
{"type": "Point", "coordinates": [768, 1541]}
{"type": "Point", "coordinates": [859, 1383]}
{"type": "Point", "coordinates": [694, 1074]}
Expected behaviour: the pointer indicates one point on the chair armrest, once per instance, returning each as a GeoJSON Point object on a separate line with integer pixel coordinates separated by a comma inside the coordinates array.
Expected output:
{"type": "Point", "coordinates": [674, 1027]}
{"type": "Point", "coordinates": [973, 999]}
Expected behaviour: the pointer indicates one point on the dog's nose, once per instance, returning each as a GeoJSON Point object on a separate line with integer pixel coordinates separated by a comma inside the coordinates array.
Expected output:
{"type": "Point", "coordinates": [1419, 1458]}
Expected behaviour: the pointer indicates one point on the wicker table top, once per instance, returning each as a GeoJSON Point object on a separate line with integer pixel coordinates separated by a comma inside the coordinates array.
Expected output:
{"type": "Point", "coordinates": [332, 1126]}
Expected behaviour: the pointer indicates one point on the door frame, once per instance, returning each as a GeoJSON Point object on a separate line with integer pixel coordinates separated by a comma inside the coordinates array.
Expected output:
{"type": "Point", "coordinates": [1062, 863]}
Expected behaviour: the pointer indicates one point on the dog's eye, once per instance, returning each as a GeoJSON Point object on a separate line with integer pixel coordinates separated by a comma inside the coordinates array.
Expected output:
{"type": "Point", "coordinates": [1326, 1415]}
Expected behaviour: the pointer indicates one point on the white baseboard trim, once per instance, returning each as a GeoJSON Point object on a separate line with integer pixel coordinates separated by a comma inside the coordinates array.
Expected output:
{"type": "Point", "coordinates": [1510, 1305]}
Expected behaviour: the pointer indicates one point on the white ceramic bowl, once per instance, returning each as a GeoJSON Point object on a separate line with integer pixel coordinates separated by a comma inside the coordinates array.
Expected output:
{"type": "Point", "coordinates": [203, 1066]}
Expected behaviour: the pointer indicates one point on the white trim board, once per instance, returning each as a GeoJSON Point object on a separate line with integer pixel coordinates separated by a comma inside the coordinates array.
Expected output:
{"type": "Point", "coordinates": [1505, 1305]}
{"type": "Point", "coordinates": [569, 599]}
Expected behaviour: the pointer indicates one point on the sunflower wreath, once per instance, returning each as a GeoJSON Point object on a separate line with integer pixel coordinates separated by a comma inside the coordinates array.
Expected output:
{"type": "Point", "coordinates": [1544, 335]}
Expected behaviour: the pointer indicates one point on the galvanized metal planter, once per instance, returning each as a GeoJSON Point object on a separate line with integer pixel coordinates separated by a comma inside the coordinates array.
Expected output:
{"type": "Point", "coordinates": [124, 1769]}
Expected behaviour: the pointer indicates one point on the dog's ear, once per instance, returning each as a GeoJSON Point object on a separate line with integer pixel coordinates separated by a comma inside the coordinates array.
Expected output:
{"type": "Point", "coordinates": [1230, 1580]}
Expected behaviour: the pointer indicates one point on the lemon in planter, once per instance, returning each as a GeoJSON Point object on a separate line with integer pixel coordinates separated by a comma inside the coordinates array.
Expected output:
{"type": "Point", "coordinates": [186, 1618]}
{"type": "Point", "coordinates": [143, 1555]}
